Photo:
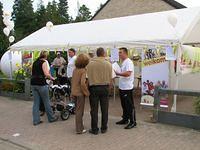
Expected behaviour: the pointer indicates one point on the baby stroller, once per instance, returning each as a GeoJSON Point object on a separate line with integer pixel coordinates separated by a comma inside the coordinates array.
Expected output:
{"type": "Point", "coordinates": [59, 95]}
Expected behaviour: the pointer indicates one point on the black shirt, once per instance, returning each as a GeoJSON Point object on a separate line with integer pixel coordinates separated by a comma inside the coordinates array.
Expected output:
{"type": "Point", "coordinates": [38, 77]}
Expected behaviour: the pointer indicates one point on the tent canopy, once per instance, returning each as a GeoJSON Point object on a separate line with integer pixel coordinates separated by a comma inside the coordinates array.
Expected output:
{"type": "Point", "coordinates": [147, 29]}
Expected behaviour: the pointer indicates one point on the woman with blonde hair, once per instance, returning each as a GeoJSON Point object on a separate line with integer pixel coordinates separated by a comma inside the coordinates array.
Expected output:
{"type": "Point", "coordinates": [80, 90]}
{"type": "Point", "coordinates": [40, 72]}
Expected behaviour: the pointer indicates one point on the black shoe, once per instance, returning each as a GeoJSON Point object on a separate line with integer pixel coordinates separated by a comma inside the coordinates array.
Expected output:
{"type": "Point", "coordinates": [104, 131]}
{"type": "Point", "coordinates": [54, 120]}
{"type": "Point", "coordinates": [130, 126]}
{"type": "Point", "coordinates": [35, 124]}
{"type": "Point", "coordinates": [93, 132]}
{"type": "Point", "coordinates": [122, 122]}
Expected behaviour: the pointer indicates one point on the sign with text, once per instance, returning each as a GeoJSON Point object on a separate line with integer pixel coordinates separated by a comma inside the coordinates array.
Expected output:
{"type": "Point", "coordinates": [155, 72]}
{"type": "Point", "coordinates": [114, 55]}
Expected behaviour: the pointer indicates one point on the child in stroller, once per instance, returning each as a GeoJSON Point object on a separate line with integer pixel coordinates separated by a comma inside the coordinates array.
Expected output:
{"type": "Point", "coordinates": [60, 90]}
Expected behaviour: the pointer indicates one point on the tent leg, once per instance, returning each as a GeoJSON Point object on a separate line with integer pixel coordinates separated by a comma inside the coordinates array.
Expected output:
{"type": "Point", "coordinates": [10, 59]}
{"type": "Point", "coordinates": [174, 106]}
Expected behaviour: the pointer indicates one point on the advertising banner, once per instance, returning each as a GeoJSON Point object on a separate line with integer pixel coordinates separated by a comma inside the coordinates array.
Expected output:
{"type": "Point", "coordinates": [155, 72]}
{"type": "Point", "coordinates": [190, 59]}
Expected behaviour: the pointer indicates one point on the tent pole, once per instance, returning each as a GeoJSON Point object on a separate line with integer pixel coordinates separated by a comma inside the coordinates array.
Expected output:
{"type": "Point", "coordinates": [10, 59]}
{"type": "Point", "coordinates": [174, 106]}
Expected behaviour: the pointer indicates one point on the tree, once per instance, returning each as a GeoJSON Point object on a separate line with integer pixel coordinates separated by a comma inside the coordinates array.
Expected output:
{"type": "Point", "coordinates": [53, 13]}
{"type": "Point", "coordinates": [24, 18]}
{"type": "Point", "coordinates": [84, 14]}
{"type": "Point", "coordinates": [3, 38]}
{"type": "Point", "coordinates": [41, 16]}
{"type": "Point", "coordinates": [63, 11]}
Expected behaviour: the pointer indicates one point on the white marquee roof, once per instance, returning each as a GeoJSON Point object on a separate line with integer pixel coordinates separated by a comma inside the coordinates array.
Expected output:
{"type": "Point", "coordinates": [152, 28]}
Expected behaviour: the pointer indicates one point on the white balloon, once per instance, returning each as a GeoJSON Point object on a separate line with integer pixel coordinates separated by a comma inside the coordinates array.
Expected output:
{"type": "Point", "coordinates": [11, 25]}
{"type": "Point", "coordinates": [6, 21]}
{"type": "Point", "coordinates": [5, 62]}
{"type": "Point", "coordinates": [11, 39]}
{"type": "Point", "coordinates": [49, 25]}
{"type": "Point", "coordinates": [7, 17]}
{"type": "Point", "coordinates": [6, 31]}
{"type": "Point", "coordinates": [6, 14]}
{"type": "Point", "coordinates": [172, 19]}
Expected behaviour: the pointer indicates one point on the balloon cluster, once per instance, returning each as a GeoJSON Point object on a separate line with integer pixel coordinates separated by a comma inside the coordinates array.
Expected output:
{"type": "Point", "coordinates": [9, 25]}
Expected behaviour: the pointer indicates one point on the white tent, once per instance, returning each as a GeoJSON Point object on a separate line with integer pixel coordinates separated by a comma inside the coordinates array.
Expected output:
{"type": "Point", "coordinates": [130, 31]}
{"type": "Point", "coordinates": [146, 29]}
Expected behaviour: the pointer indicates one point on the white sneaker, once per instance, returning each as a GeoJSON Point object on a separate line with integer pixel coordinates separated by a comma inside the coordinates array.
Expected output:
{"type": "Point", "coordinates": [84, 131]}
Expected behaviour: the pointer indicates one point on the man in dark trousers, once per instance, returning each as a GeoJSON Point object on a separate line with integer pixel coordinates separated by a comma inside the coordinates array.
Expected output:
{"type": "Point", "coordinates": [99, 72]}
{"type": "Point", "coordinates": [126, 80]}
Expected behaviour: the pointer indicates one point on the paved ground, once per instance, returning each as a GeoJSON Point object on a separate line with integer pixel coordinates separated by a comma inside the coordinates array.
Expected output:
{"type": "Point", "coordinates": [15, 117]}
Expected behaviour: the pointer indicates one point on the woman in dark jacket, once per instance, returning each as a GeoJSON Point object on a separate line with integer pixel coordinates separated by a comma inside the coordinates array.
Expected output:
{"type": "Point", "coordinates": [40, 89]}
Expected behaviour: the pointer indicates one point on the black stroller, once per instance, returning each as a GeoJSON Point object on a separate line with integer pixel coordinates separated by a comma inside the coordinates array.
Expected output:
{"type": "Point", "coordinates": [60, 91]}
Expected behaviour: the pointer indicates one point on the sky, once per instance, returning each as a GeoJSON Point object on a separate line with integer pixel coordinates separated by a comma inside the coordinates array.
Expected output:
{"type": "Point", "coordinates": [92, 4]}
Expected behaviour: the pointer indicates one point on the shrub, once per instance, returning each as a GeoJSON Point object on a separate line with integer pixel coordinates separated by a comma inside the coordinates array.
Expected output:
{"type": "Point", "coordinates": [197, 105]}
{"type": "Point", "coordinates": [7, 86]}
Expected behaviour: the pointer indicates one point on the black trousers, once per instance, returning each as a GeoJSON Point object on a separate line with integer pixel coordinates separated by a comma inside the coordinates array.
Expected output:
{"type": "Point", "coordinates": [99, 94]}
{"type": "Point", "coordinates": [56, 69]}
{"type": "Point", "coordinates": [127, 104]}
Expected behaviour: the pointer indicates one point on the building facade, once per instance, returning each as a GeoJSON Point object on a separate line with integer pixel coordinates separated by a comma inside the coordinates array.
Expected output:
{"type": "Point", "coordinates": [120, 8]}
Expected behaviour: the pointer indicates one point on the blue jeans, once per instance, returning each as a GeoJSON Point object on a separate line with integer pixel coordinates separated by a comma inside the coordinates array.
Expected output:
{"type": "Point", "coordinates": [41, 93]}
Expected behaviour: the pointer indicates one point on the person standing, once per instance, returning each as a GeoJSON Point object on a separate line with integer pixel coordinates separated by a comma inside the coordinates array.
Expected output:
{"type": "Point", "coordinates": [40, 89]}
{"type": "Point", "coordinates": [71, 63]}
{"type": "Point", "coordinates": [126, 80]}
{"type": "Point", "coordinates": [99, 72]}
{"type": "Point", "coordinates": [42, 108]}
{"type": "Point", "coordinates": [80, 90]}
{"type": "Point", "coordinates": [58, 62]}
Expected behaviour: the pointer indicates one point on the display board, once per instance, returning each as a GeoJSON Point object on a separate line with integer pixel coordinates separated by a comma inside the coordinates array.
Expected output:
{"type": "Point", "coordinates": [190, 59]}
{"type": "Point", "coordinates": [155, 72]}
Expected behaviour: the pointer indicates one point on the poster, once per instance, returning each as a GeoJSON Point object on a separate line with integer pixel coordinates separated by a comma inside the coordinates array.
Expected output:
{"type": "Point", "coordinates": [190, 59]}
{"type": "Point", "coordinates": [155, 72]}
{"type": "Point", "coordinates": [27, 57]}
{"type": "Point", "coordinates": [27, 60]}
{"type": "Point", "coordinates": [114, 55]}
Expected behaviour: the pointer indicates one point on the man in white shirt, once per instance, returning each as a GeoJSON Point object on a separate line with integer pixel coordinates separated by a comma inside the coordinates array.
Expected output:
{"type": "Point", "coordinates": [71, 63]}
{"type": "Point", "coordinates": [126, 80]}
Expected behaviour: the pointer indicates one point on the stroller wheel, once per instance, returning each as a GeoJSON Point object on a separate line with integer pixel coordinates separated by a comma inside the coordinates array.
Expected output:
{"type": "Point", "coordinates": [65, 114]}
{"type": "Point", "coordinates": [53, 109]}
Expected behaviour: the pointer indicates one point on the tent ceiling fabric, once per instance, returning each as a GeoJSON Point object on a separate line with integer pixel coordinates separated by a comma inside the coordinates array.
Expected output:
{"type": "Point", "coordinates": [152, 28]}
{"type": "Point", "coordinates": [193, 32]}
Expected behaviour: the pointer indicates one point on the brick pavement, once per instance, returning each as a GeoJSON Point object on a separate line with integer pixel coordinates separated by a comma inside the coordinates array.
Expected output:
{"type": "Point", "coordinates": [15, 117]}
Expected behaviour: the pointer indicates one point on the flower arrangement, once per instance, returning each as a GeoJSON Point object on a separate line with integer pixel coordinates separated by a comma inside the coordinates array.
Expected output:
{"type": "Point", "coordinates": [23, 72]}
